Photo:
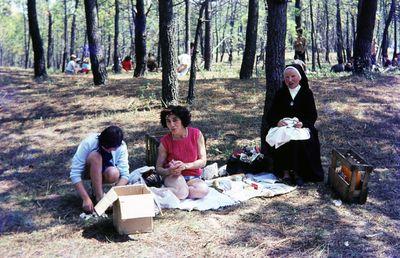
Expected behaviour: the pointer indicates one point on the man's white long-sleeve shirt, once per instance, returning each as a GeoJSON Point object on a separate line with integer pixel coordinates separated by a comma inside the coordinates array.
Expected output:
{"type": "Point", "coordinates": [91, 143]}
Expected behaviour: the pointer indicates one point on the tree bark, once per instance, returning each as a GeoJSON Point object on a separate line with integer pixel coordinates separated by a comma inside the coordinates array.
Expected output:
{"type": "Point", "coordinates": [50, 39]}
{"type": "Point", "coordinates": [297, 13]}
{"type": "Point", "coordinates": [37, 43]}
{"type": "Point", "coordinates": [187, 26]}
{"type": "Point", "coordinates": [326, 32]}
{"type": "Point", "coordinates": [208, 38]}
{"type": "Point", "coordinates": [108, 53]}
{"type": "Point", "coordinates": [26, 41]}
{"type": "Point", "coordinates": [192, 80]}
{"type": "Point", "coordinates": [365, 31]}
{"type": "Point", "coordinates": [249, 53]}
{"type": "Point", "coordinates": [385, 41]}
{"type": "Point", "coordinates": [64, 59]}
{"type": "Point", "coordinates": [140, 39]}
{"type": "Point", "coordinates": [73, 29]}
{"type": "Point", "coordinates": [96, 51]}
{"type": "Point", "coordinates": [275, 56]}
{"type": "Point", "coordinates": [116, 66]}
{"type": "Point", "coordinates": [313, 47]}
{"type": "Point", "coordinates": [339, 35]}
{"type": "Point", "coordinates": [232, 24]}
{"type": "Point", "coordinates": [170, 87]}
{"type": "Point", "coordinates": [395, 32]}
{"type": "Point", "coordinates": [133, 13]}
{"type": "Point", "coordinates": [348, 48]}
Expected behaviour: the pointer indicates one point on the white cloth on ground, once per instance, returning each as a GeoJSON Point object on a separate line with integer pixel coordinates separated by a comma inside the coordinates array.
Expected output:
{"type": "Point", "coordinates": [277, 136]}
{"type": "Point", "coordinates": [240, 191]}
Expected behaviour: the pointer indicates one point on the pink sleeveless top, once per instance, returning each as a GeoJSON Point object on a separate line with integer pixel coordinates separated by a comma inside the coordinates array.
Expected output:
{"type": "Point", "coordinates": [184, 149]}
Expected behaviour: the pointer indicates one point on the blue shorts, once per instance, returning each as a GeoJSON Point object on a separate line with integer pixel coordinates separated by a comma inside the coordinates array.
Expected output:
{"type": "Point", "coordinates": [106, 159]}
{"type": "Point", "coordinates": [188, 178]}
{"type": "Point", "coordinates": [106, 162]}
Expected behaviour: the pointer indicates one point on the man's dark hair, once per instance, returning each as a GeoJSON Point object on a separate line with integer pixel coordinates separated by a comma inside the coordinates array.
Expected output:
{"type": "Point", "coordinates": [181, 112]}
{"type": "Point", "coordinates": [111, 137]}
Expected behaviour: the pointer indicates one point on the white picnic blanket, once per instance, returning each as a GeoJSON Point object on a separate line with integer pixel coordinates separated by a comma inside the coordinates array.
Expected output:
{"type": "Point", "coordinates": [277, 136]}
{"type": "Point", "coordinates": [240, 191]}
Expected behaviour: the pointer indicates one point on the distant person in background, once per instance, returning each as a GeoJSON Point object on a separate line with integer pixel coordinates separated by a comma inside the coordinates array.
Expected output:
{"type": "Point", "coordinates": [300, 46]}
{"type": "Point", "coordinates": [72, 66]}
{"type": "Point", "coordinates": [127, 64]}
{"type": "Point", "coordinates": [152, 63]}
{"type": "Point", "coordinates": [395, 60]}
{"type": "Point", "coordinates": [184, 65]}
{"type": "Point", "coordinates": [301, 63]}
{"type": "Point", "coordinates": [386, 61]}
{"type": "Point", "coordinates": [85, 66]}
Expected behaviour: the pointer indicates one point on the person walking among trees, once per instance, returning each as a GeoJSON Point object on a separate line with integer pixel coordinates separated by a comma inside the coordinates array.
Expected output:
{"type": "Point", "coordinates": [300, 46]}
{"type": "Point", "coordinates": [102, 158]}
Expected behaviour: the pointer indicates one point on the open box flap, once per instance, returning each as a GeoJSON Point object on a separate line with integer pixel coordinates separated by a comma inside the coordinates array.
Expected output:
{"type": "Point", "coordinates": [109, 198]}
{"type": "Point", "coordinates": [136, 206]}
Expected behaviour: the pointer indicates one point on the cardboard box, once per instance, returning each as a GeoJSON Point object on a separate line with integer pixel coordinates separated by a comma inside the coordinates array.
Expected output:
{"type": "Point", "coordinates": [133, 208]}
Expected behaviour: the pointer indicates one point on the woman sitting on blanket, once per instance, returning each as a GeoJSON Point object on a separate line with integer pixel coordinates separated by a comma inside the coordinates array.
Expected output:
{"type": "Point", "coordinates": [181, 155]}
{"type": "Point", "coordinates": [297, 160]}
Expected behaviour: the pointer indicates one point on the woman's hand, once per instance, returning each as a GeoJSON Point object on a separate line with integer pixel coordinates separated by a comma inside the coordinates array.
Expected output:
{"type": "Point", "coordinates": [298, 125]}
{"type": "Point", "coordinates": [282, 123]}
{"type": "Point", "coordinates": [176, 167]}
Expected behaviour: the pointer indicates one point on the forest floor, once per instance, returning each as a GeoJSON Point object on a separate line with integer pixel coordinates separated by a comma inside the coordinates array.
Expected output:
{"type": "Point", "coordinates": [42, 124]}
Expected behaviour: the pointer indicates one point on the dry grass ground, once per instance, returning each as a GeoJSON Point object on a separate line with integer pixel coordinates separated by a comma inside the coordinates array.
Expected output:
{"type": "Point", "coordinates": [42, 124]}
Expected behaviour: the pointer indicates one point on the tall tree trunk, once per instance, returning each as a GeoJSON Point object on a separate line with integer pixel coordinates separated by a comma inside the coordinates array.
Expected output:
{"type": "Point", "coordinates": [353, 29]}
{"type": "Point", "coordinates": [65, 36]}
{"type": "Point", "coordinates": [365, 31]}
{"type": "Point", "coordinates": [275, 56]}
{"type": "Point", "coordinates": [297, 15]}
{"type": "Point", "coordinates": [232, 24]}
{"type": "Point", "coordinates": [208, 38]}
{"type": "Point", "coordinates": [339, 35]}
{"type": "Point", "coordinates": [133, 13]}
{"type": "Point", "coordinates": [313, 47]}
{"type": "Point", "coordinates": [73, 29]}
{"type": "Point", "coordinates": [108, 53]}
{"type": "Point", "coordinates": [249, 53]}
{"type": "Point", "coordinates": [50, 39]}
{"type": "Point", "coordinates": [395, 33]}
{"type": "Point", "coordinates": [223, 34]}
{"type": "Point", "coordinates": [326, 32]}
{"type": "Point", "coordinates": [385, 41]}
{"type": "Point", "coordinates": [216, 26]}
{"type": "Point", "coordinates": [96, 51]}
{"type": "Point", "coordinates": [140, 39]}
{"type": "Point", "coordinates": [26, 41]}
{"type": "Point", "coordinates": [192, 80]}
{"type": "Point", "coordinates": [116, 66]}
{"type": "Point", "coordinates": [348, 48]}
{"type": "Point", "coordinates": [187, 26]}
{"type": "Point", "coordinates": [37, 43]}
{"type": "Point", "coordinates": [170, 87]}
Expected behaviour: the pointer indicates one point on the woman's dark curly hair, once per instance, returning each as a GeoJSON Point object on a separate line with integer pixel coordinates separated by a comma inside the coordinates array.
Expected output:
{"type": "Point", "coordinates": [111, 137]}
{"type": "Point", "coordinates": [181, 112]}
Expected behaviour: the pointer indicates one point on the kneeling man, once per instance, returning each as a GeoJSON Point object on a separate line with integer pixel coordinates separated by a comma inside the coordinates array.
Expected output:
{"type": "Point", "coordinates": [102, 158]}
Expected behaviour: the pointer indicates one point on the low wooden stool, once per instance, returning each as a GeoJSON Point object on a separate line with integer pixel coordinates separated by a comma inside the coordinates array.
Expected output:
{"type": "Point", "coordinates": [348, 176]}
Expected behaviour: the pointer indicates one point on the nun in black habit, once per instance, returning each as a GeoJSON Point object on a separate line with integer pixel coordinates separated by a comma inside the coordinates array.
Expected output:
{"type": "Point", "coordinates": [297, 160]}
